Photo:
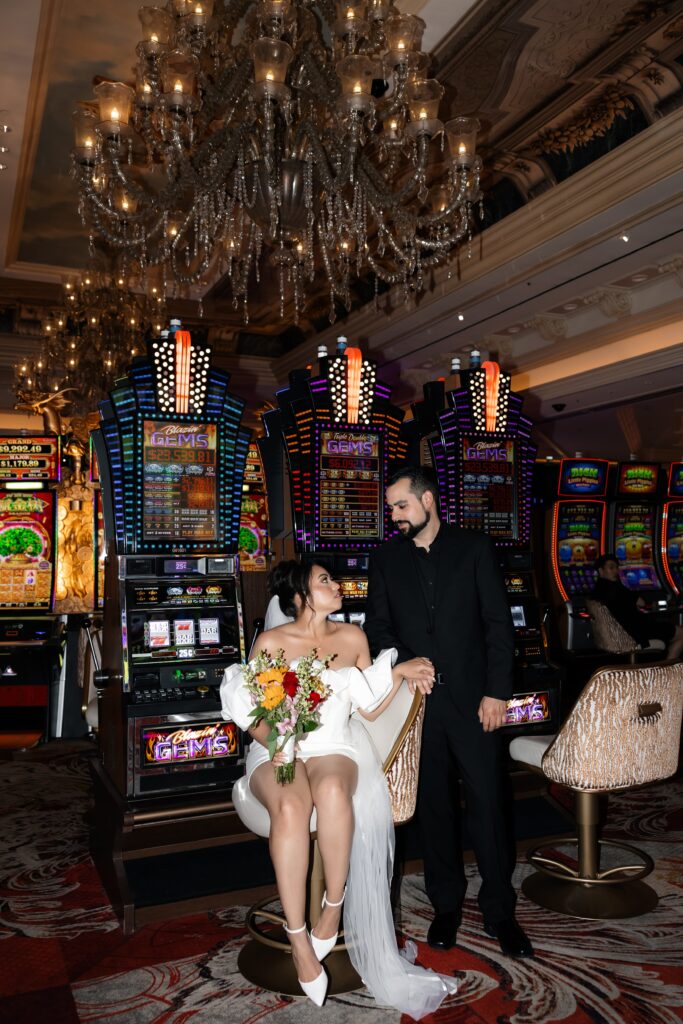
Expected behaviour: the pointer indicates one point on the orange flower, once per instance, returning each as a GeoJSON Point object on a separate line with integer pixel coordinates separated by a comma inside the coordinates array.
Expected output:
{"type": "Point", "coordinates": [273, 695]}
{"type": "Point", "coordinates": [271, 675]}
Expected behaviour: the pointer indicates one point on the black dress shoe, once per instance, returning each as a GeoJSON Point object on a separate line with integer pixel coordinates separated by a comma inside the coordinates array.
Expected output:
{"type": "Point", "coordinates": [443, 930]}
{"type": "Point", "coordinates": [513, 940]}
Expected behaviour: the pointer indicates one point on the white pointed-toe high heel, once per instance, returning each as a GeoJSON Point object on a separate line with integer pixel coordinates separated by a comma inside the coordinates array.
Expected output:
{"type": "Point", "coordinates": [321, 947]}
{"type": "Point", "coordinates": [316, 990]}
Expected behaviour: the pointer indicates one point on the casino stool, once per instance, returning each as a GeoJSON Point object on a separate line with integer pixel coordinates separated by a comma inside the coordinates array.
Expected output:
{"type": "Point", "coordinates": [623, 731]}
{"type": "Point", "coordinates": [609, 635]}
{"type": "Point", "coordinates": [266, 958]}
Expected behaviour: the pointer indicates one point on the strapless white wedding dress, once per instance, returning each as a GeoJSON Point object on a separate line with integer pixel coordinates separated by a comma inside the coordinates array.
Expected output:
{"type": "Point", "coordinates": [368, 924]}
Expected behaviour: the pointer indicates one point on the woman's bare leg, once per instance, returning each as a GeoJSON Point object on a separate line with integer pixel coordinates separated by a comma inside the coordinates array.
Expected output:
{"type": "Point", "coordinates": [333, 782]}
{"type": "Point", "coordinates": [290, 809]}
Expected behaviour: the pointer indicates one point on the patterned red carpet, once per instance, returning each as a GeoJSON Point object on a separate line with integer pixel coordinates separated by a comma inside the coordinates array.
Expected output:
{"type": "Point", "coordinates": [63, 958]}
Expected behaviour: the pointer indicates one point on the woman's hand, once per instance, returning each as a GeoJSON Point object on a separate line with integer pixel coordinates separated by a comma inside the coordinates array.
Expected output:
{"type": "Point", "coordinates": [279, 757]}
{"type": "Point", "coordinates": [418, 673]}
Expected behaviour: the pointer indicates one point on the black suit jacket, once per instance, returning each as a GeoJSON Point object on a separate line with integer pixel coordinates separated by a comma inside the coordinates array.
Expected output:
{"type": "Point", "coordinates": [471, 641]}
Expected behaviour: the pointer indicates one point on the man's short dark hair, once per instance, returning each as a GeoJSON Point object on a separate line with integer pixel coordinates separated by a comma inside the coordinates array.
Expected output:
{"type": "Point", "coordinates": [602, 561]}
{"type": "Point", "coordinates": [421, 479]}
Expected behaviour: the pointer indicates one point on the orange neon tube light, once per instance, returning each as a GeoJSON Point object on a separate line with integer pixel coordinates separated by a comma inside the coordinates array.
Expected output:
{"type": "Point", "coordinates": [492, 371]}
{"type": "Point", "coordinates": [183, 349]}
{"type": "Point", "coordinates": [354, 366]}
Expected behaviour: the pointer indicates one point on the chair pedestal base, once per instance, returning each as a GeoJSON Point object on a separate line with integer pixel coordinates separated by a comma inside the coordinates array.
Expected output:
{"type": "Point", "coordinates": [266, 960]}
{"type": "Point", "coordinates": [273, 969]}
{"type": "Point", "coordinates": [592, 902]}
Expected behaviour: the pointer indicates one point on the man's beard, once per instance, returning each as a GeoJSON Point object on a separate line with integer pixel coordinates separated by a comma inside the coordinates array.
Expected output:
{"type": "Point", "coordinates": [414, 528]}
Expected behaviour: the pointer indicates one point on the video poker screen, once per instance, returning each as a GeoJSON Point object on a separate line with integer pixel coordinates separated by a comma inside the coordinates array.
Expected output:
{"type": "Point", "coordinates": [350, 499]}
{"type": "Point", "coordinates": [179, 481]}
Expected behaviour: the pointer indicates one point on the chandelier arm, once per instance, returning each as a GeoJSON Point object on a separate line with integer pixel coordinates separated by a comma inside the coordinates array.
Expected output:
{"type": "Point", "coordinates": [374, 181]}
{"type": "Point", "coordinates": [457, 205]}
{"type": "Point", "coordinates": [115, 238]}
{"type": "Point", "coordinates": [325, 80]}
{"type": "Point", "coordinates": [331, 182]}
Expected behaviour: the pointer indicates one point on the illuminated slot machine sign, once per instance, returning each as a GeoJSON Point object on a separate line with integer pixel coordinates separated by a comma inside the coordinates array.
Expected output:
{"type": "Point", "coordinates": [253, 539]}
{"type": "Point", "coordinates": [578, 531]}
{"type": "Point", "coordinates": [179, 481]}
{"type": "Point", "coordinates": [488, 486]}
{"type": "Point", "coordinates": [28, 521]}
{"type": "Point", "coordinates": [634, 525]}
{"type": "Point", "coordinates": [174, 448]}
{"type": "Point", "coordinates": [484, 458]}
{"type": "Point", "coordinates": [672, 530]}
{"type": "Point", "coordinates": [349, 493]}
{"type": "Point", "coordinates": [341, 435]}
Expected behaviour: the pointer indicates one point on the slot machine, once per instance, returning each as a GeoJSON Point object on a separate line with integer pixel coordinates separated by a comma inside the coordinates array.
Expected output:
{"type": "Point", "coordinates": [31, 638]}
{"type": "Point", "coordinates": [171, 455]}
{"type": "Point", "coordinates": [671, 544]}
{"type": "Point", "coordinates": [576, 539]}
{"type": "Point", "coordinates": [254, 542]}
{"type": "Point", "coordinates": [341, 435]}
{"type": "Point", "coordinates": [484, 461]}
{"type": "Point", "coordinates": [632, 530]}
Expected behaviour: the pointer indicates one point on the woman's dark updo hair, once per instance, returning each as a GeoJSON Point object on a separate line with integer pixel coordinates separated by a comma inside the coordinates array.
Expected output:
{"type": "Point", "coordinates": [290, 578]}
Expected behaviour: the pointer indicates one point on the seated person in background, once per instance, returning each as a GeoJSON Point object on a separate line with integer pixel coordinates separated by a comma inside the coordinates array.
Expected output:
{"type": "Point", "coordinates": [624, 605]}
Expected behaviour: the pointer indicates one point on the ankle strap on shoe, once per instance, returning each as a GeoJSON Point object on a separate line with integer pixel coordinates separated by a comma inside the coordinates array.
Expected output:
{"type": "Point", "coordinates": [330, 903]}
{"type": "Point", "coordinates": [295, 931]}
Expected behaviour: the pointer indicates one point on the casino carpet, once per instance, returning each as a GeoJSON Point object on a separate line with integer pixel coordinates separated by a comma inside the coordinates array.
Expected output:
{"type": "Point", "coordinates": [63, 958]}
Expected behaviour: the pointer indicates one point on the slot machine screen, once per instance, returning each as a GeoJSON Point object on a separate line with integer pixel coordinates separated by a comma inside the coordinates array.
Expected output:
{"type": "Point", "coordinates": [26, 549]}
{"type": "Point", "coordinates": [353, 589]}
{"type": "Point", "coordinates": [488, 486]}
{"type": "Point", "coordinates": [29, 458]}
{"type": "Point", "coordinates": [180, 496]}
{"type": "Point", "coordinates": [518, 616]}
{"type": "Point", "coordinates": [578, 534]}
{"type": "Point", "coordinates": [634, 534]}
{"type": "Point", "coordinates": [350, 499]}
{"type": "Point", "coordinates": [673, 542]}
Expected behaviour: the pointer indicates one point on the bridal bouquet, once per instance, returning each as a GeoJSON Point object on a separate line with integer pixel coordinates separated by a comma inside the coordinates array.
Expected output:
{"type": "Point", "coordinates": [287, 700]}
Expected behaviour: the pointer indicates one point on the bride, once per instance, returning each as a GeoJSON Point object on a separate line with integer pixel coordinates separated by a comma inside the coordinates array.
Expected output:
{"type": "Point", "coordinates": [337, 773]}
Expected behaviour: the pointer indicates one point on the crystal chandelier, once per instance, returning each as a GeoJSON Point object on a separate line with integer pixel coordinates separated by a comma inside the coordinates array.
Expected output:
{"type": "Point", "coordinates": [89, 341]}
{"type": "Point", "coordinates": [304, 133]}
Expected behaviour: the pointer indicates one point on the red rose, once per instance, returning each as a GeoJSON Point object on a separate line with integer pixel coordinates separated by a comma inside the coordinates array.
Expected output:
{"type": "Point", "coordinates": [314, 698]}
{"type": "Point", "coordinates": [290, 683]}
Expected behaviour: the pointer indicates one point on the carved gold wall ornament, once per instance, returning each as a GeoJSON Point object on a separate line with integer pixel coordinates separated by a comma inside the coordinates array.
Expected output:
{"type": "Point", "coordinates": [593, 121]}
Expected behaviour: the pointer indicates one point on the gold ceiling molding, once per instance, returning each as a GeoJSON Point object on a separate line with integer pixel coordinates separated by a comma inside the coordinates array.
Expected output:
{"type": "Point", "coordinates": [594, 120]}
{"type": "Point", "coordinates": [50, 11]}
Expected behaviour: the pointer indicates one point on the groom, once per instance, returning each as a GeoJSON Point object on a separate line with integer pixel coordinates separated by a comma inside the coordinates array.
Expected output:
{"type": "Point", "coordinates": [436, 591]}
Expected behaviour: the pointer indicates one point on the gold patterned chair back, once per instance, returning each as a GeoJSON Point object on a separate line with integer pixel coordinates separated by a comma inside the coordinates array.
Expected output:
{"type": "Point", "coordinates": [623, 731]}
{"type": "Point", "coordinates": [397, 736]}
{"type": "Point", "coordinates": [609, 635]}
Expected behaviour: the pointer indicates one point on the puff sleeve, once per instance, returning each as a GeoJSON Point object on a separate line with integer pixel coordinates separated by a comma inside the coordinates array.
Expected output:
{"type": "Point", "coordinates": [368, 687]}
{"type": "Point", "coordinates": [235, 700]}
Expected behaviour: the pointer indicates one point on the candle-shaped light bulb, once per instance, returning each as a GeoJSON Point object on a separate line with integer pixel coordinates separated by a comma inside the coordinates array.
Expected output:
{"type": "Point", "coordinates": [124, 203]}
{"type": "Point", "coordinates": [350, 14]}
{"type": "Point", "coordinates": [154, 38]}
{"type": "Point", "coordinates": [114, 113]}
{"type": "Point", "coordinates": [270, 77]}
{"type": "Point", "coordinates": [393, 125]}
{"type": "Point", "coordinates": [357, 88]}
{"type": "Point", "coordinates": [88, 143]}
{"type": "Point", "coordinates": [423, 114]}
{"type": "Point", "coordinates": [401, 44]}
{"type": "Point", "coordinates": [462, 149]}
{"type": "Point", "coordinates": [146, 88]}
{"type": "Point", "coordinates": [177, 85]}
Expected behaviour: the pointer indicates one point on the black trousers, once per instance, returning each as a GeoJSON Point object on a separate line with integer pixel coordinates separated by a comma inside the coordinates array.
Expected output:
{"type": "Point", "coordinates": [451, 742]}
